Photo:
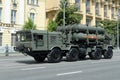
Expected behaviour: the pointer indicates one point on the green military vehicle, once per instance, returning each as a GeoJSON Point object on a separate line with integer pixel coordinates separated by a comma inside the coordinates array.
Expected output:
{"type": "Point", "coordinates": [74, 42]}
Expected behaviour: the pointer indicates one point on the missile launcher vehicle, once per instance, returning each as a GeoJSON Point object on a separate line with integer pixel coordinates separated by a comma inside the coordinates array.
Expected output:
{"type": "Point", "coordinates": [74, 42]}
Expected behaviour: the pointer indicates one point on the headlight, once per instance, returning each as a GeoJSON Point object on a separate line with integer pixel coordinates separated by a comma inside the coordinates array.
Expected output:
{"type": "Point", "coordinates": [29, 49]}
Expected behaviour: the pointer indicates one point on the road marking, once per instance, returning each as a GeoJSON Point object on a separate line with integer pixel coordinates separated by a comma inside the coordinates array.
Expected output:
{"type": "Point", "coordinates": [68, 73]}
{"type": "Point", "coordinates": [26, 69]}
{"type": "Point", "coordinates": [106, 61]}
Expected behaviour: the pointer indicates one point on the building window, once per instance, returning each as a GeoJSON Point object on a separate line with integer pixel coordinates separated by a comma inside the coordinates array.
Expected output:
{"type": "Point", "coordinates": [13, 39]}
{"type": "Point", "coordinates": [88, 22]}
{"type": "Point", "coordinates": [0, 1]}
{"type": "Point", "coordinates": [97, 8]}
{"type": "Point", "coordinates": [36, 2]}
{"type": "Point", "coordinates": [28, 1]}
{"type": "Point", "coordinates": [97, 22]}
{"type": "Point", "coordinates": [32, 2]}
{"type": "Point", "coordinates": [112, 12]}
{"type": "Point", "coordinates": [13, 16]}
{"type": "Point", "coordinates": [0, 39]}
{"type": "Point", "coordinates": [77, 3]}
{"type": "Point", "coordinates": [32, 16]}
{"type": "Point", "coordinates": [87, 6]}
{"type": "Point", "coordinates": [105, 10]}
{"type": "Point", "coordinates": [0, 14]}
{"type": "Point", "coordinates": [14, 1]}
{"type": "Point", "coordinates": [118, 11]}
{"type": "Point", "coordinates": [113, 1]}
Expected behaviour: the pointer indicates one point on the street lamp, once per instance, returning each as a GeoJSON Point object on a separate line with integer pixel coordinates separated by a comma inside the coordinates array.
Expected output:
{"type": "Point", "coordinates": [64, 13]}
{"type": "Point", "coordinates": [118, 31]}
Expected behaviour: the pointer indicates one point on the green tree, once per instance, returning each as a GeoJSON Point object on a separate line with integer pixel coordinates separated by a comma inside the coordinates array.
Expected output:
{"type": "Point", "coordinates": [52, 25]}
{"type": "Point", "coordinates": [29, 25]}
{"type": "Point", "coordinates": [110, 26]}
{"type": "Point", "coordinates": [62, 2]}
{"type": "Point", "coordinates": [71, 17]}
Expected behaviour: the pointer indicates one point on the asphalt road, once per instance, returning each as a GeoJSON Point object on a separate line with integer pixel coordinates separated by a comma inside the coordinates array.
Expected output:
{"type": "Point", "coordinates": [25, 68]}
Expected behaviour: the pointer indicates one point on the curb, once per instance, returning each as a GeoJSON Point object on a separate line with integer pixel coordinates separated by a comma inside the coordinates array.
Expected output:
{"type": "Point", "coordinates": [12, 54]}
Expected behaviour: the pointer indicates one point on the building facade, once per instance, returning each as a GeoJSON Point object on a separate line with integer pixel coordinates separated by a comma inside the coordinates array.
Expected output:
{"type": "Point", "coordinates": [92, 11]}
{"type": "Point", "coordinates": [13, 15]}
{"type": "Point", "coordinates": [52, 7]}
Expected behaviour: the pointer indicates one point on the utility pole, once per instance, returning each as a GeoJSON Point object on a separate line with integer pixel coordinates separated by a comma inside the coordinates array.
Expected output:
{"type": "Point", "coordinates": [118, 31]}
{"type": "Point", "coordinates": [64, 14]}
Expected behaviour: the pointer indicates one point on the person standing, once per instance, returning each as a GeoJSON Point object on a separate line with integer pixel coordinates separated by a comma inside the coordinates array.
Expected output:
{"type": "Point", "coordinates": [6, 50]}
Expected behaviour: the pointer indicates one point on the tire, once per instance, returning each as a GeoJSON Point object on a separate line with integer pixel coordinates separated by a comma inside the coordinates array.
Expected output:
{"type": "Point", "coordinates": [97, 54]}
{"type": "Point", "coordinates": [54, 56]}
{"type": "Point", "coordinates": [39, 58]}
{"type": "Point", "coordinates": [108, 53]}
{"type": "Point", "coordinates": [72, 54]}
{"type": "Point", "coordinates": [82, 54]}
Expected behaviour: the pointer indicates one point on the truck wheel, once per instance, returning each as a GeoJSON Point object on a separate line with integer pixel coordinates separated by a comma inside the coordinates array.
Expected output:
{"type": "Point", "coordinates": [108, 54]}
{"type": "Point", "coordinates": [72, 54]}
{"type": "Point", "coordinates": [82, 57]}
{"type": "Point", "coordinates": [39, 59]}
{"type": "Point", "coordinates": [97, 54]}
{"type": "Point", "coordinates": [55, 55]}
{"type": "Point", "coordinates": [82, 54]}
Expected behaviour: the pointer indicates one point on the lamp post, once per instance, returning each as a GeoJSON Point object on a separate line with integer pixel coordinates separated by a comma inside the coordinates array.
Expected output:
{"type": "Point", "coordinates": [118, 31]}
{"type": "Point", "coordinates": [64, 13]}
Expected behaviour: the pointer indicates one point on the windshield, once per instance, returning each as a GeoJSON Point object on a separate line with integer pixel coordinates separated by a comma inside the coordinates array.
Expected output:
{"type": "Point", "coordinates": [23, 36]}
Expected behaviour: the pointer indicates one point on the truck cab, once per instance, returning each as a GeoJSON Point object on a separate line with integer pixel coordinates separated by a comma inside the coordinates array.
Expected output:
{"type": "Point", "coordinates": [37, 42]}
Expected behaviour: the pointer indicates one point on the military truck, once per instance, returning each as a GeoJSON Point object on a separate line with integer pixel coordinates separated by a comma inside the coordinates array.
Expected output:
{"type": "Point", "coordinates": [74, 42]}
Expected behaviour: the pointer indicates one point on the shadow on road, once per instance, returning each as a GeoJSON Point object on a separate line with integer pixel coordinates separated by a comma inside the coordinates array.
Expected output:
{"type": "Point", "coordinates": [30, 62]}
{"type": "Point", "coordinates": [44, 62]}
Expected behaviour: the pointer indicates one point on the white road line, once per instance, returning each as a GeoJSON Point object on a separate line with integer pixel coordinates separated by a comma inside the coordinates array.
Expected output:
{"type": "Point", "coordinates": [68, 73]}
{"type": "Point", "coordinates": [26, 69]}
{"type": "Point", "coordinates": [106, 61]}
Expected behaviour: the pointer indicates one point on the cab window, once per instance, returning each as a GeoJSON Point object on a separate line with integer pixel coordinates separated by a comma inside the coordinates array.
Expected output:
{"type": "Point", "coordinates": [39, 39]}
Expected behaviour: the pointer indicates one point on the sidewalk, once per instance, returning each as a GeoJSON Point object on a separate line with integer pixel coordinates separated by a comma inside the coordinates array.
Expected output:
{"type": "Point", "coordinates": [116, 50]}
{"type": "Point", "coordinates": [12, 54]}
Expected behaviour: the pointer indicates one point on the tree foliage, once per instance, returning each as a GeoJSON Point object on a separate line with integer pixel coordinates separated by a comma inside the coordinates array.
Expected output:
{"type": "Point", "coordinates": [29, 25]}
{"type": "Point", "coordinates": [71, 17]}
{"type": "Point", "coordinates": [52, 25]}
{"type": "Point", "coordinates": [62, 2]}
{"type": "Point", "coordinates": [110, 26]}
